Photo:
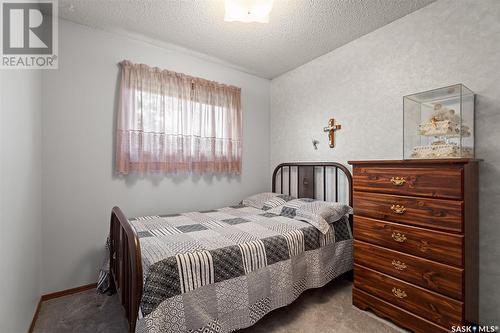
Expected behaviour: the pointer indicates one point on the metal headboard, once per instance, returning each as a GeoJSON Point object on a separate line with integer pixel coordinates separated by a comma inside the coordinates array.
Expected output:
{"type": "Point", "coordinates": [306, 173]}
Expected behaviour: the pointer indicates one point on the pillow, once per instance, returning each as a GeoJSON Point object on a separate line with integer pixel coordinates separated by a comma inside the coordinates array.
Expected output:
{"type": "Point", "coordinates": [266, 200]}
{"type": "Point", "coordinates": [277, 201]}
{"type": "Point", "coordinates": [317, 213]}
{"type": "Point", "coordinates": [290, 207]}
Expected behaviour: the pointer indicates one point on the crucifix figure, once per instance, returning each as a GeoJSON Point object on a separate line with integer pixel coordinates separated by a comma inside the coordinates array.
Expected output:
{"type": "Point", "coordinates": [332, 127]}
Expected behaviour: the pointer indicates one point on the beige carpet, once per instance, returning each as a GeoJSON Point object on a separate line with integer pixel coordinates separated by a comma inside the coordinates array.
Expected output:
{"type": "Point", "coordinates": [328, 309]}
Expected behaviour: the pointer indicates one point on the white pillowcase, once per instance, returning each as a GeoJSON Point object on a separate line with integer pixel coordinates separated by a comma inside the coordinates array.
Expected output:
{"type": "Point", "coordinates": [317, 213]}
{"type": "Point", "coordinates": [266, 200]}
{"type": "Point", "coordinates": [289, 208]}
{"type": "Point", "coordinates": [258, 200]}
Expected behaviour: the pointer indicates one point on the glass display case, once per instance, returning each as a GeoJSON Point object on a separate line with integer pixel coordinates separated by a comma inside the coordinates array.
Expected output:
{"type": "Point", "coordinates": [439, 123]}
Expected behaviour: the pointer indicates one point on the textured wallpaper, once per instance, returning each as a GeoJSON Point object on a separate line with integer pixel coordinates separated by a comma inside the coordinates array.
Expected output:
{"type": "Point", "coordinates": [362, 85]}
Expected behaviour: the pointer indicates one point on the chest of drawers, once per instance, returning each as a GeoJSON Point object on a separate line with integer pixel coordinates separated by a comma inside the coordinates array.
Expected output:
{"type": "Point", "coordinates": [416, 254]}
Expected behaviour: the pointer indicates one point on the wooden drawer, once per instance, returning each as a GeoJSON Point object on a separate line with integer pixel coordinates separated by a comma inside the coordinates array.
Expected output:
{"type": "Point", "coordinates": [434, 245]}
{"type": "Point", "coordinates": [424, 212]}
{"type": "Point", "coordinates": [429, 274]}
{"type": "Point", "coordinates": [365, 301]}
{"type": "Point", "coordinates": [444, 182]}
{"type": "Point", "coordinates": [439, 309]}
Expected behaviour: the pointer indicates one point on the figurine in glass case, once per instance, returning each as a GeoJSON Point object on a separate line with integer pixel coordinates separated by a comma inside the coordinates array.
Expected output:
{"type": "Point", "coordinates": [443, 122]}
{"type": "Point", "coordinates": [441, 132]}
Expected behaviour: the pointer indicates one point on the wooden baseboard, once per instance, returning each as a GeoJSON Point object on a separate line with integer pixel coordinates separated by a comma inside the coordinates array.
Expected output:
{"type": "Point", "coordinates": [57, 294]}
{"type": "Point", "coordinates": [62, 293]}
{"type": "Point", "coordinates": [35, 316]}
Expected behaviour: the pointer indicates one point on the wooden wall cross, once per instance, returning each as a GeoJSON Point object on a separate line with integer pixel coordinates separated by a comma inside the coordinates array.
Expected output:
{"type": "Point", "coordinates": [332, 127]}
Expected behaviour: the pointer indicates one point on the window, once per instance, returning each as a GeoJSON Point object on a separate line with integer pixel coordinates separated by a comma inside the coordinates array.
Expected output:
{"type": "Point", "coordinates": [171, 122]}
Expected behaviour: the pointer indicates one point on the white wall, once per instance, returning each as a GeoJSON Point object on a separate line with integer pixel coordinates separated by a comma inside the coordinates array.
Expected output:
{"type": "Point", "coordinates": [20, 197]}
{"type": "Point", "coordinates": [79, 186]}
{"type": "Point", "coordinates": [362, 84]}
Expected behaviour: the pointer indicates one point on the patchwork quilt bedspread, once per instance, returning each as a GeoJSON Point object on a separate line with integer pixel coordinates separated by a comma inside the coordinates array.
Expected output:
{"type": "Point", "coordinates": [222, 270]}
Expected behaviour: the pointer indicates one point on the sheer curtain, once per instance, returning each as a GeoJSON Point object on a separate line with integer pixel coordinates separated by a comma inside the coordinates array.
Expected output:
{"type": "Point", "coordinates": [171, 122]}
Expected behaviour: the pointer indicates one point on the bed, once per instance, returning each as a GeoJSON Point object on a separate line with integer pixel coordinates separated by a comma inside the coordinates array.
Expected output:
{"type": "Point", "coordinates": [224, 269]}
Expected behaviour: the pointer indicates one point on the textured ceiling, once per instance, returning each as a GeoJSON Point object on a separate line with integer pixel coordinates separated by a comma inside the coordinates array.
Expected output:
{"type": "Point", "coordinates": [298, 31]}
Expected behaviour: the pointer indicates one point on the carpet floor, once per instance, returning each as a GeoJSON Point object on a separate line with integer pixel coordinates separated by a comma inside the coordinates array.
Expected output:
{"type": "Point", "coordinates": [327, 309]}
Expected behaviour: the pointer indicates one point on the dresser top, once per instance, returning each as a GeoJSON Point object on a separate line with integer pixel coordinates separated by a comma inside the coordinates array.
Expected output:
{"type": "Point", "coordinates": [417, 161]}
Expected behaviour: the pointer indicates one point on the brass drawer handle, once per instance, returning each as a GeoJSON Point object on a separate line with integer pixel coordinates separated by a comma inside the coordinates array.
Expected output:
{"type": "Point", "coordinates": [398, 237]}
{"type": "Point", "coordinates": [398, 209]}
{"type": "Point", "coordinates": [399, 293]}
{"type": "Point", "coordinates": [398, 181]}
{"type": "Point", "coordinates": [399, 265]}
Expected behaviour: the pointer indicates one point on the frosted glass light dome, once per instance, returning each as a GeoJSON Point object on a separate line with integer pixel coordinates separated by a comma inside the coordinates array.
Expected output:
{"type": "Point", "coordinates": [248, 10]}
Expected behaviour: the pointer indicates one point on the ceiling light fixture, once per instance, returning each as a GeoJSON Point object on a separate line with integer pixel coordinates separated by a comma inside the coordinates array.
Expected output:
{"type": "Point", "coordinates": [248, 10]}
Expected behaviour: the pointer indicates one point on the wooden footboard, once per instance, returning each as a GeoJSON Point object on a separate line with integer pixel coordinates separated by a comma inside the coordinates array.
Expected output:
{"type": "Point", "coordinates": [126, 265]}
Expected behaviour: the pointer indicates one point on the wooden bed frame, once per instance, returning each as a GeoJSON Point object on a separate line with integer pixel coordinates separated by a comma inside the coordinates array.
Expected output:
{"type": "Point", "coordinates": [125, 250]}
